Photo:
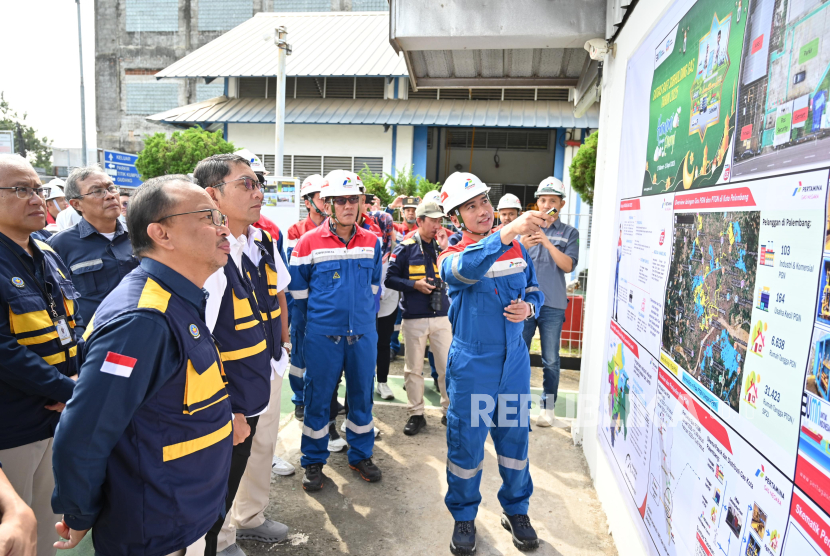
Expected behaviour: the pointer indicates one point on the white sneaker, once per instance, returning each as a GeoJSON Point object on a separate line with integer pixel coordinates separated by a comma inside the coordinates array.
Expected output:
{"type": "Point", "coordinates": [343, 429]}
{"type": "Point", "coordinates": [546, 418]}
{"type": "Point", "coordinates": [232, 550]}
{"type": "Point", "coordinates": [384, 391]}
{"type": "Point", "coordinates": [281, 467]}
{"type": "Point", "coordinates": [337, 445]}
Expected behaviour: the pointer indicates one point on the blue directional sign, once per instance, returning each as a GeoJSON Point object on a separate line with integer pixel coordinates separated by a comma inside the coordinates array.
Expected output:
{"type": "Point", "coordinates": [121, 168]}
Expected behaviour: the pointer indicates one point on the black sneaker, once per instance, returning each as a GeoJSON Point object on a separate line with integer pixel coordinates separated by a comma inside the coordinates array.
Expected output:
{"type": "Point", "coordinates": [463, 538]}
{"type": "Point", "coordinates": [369, 472]}
{"type": "Point", "coordinates": [299, 412]}
{"type": "Point", "coordinates": [435, 383]}
{"type": "Point", "coordinates": [313, 478]}
{"type": "Point", "coordinates": [524, 536]}
{"type": "Point", "coordinates": [444, 420]}
{"type": "Point", "coordinates": [392, 355]}
{"type": "Point", "coordinates": [414, 425]}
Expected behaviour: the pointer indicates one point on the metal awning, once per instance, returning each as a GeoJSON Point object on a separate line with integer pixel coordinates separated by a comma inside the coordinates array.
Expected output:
{"type": "Point", "coordinates": [462, 113]}
{"type": "Point", "coordinates": [324, 44]}
{"type": "Point", "coordinates": [470, 43]}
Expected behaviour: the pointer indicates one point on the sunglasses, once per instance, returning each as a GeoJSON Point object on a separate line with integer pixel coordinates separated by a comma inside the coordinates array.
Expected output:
{"type": "Point", "coordinates": [250, 183]}
{"type": "Point", "coordinates": [341, 201]}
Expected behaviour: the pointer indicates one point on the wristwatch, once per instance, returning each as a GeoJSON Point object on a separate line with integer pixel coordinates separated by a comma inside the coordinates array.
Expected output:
{"type": "Point", "coordinates": [532, 310]}
{"type": "Point", "coordinates": [286, 345]}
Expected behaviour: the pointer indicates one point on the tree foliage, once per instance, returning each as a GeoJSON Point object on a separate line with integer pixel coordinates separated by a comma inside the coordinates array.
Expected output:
{"type": "Point", "coordinates": [179, 153]}
{"type": "Point", "coordinates": [38, 150]}
{"type": "Point", "coordinates": [583, 168]}
{"type": "Point", "coordinates": [375, 184]}
{"type": "Point", "coordinates": [406, 183]}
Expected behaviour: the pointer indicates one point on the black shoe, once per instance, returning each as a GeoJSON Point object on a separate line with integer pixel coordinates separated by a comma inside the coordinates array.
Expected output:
{"type": "Point", "coordinates": [392, 355]}
{"type": "Point", "coordinates": [435, 383]}
{"type": "Point", "coordinates": [414, 425]}
{"type": "Point", "coordinates": [369, 472]}
{"type": "Point", "coordinates": [299, 412]}
{"type": "Point", "coordinates": [524, 536]}
{"type": "Point", "coordinates": [313, 478]}
{"type": "Point", "coordinates": [463, 538]}
{"type": "Point", "coordinates": [444, 420]}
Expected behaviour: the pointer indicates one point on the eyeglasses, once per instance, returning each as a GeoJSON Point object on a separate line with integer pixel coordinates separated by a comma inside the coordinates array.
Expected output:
{"type": "Point", "coordinates": [250, 183]}
{"type": "Point", "coordinates": [100, 192]}
{"type": "Point", "coordinates": [341, 201]}
{"type": "Point", "coordinates": [216, 217]}
{"type": "Point", "coordinates": [27, 192]}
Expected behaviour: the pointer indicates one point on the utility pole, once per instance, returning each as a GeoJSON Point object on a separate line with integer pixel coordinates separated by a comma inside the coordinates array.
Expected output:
{"type": "Point", "coordinates": [83, 102]}
{"type": "Point", "coordinates": [283, 50]}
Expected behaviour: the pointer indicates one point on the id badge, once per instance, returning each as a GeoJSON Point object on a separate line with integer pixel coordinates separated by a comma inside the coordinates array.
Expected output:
{"type": "Point", "coordinates": [64, 334]}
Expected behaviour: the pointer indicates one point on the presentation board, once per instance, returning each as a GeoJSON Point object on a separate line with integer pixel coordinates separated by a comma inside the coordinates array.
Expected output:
{"type": "Point", "coordinates": [715, 404]}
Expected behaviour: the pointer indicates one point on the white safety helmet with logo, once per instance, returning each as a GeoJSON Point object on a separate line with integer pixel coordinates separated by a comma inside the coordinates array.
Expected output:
{"type": "Point", "coordinates": [256, 164]}
{"type": "Point", "coordinates": [551, 186]}
{"type": "Point", "coordinates": [53, 192]}
{"type": "Point", "coordinates": [341, 183]}
{"type": "Point", "coordinates": [432, 196]}
{"type": "Point", "coordinates": [459, 188]}
{"type": "Point", "coordinates": [57, 183]}
{"type": "Point", "coordinates": [510, 201]}
{"type": "Point", "coordinates": [311, 185]}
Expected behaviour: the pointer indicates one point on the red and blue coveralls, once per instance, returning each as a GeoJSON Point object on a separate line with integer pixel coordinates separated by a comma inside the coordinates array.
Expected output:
{"type": "Point", "coordinates": [488, 371]}
{"type": "Point", "coordinates": [334, 283]}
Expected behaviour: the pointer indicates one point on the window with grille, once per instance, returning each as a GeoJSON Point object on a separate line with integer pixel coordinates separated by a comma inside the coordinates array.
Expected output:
{"type": "Point", "coordinates": [331, 163]}
{"type": "Point", "coordinates": [422, 93]}
{"type": "Point", "coordinates": [375, 163]}
{"type": "Point", "coordinates": [305, 166]}
{"type": "Point", "coordinates": [339, 87]}
{"type": "Point", "coordinates": [151, 97]}
{"type": "Point", "coordinates": [370, 5]}
{"type": "Point", "coordinates": [268, 162]}
{"type": "Point", "coordinates": [462, 138]}
{"type": "Point", "coordinates": [152, 15]}
{"type": "Point", "coordinates": [485, 94]}
{"type": "Point", "coordinates": [455, 94]}
{"type": "Point", "coordinates": [205, 91]}
{"type": "Point", "coordinates": [430, 133]}
{"type": "Point", "coordinates": [369, 87]}
{"type": "Point", "coordinates": [252, 87]}
{"type": "Point", "coordinates": [310, 87]}
{"type": "Point", "coordinates": [221, 15]}
{"type": "Point", "coordinates": [519, 94]}
{"type": "Point", "coordinates": [302, 5]}
{"type": "Point", "coordinates": [552, 94]}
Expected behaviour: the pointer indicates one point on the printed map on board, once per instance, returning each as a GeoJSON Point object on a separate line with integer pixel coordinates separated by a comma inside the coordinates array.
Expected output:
{"type": "Point", "coordinates": [708, 307]}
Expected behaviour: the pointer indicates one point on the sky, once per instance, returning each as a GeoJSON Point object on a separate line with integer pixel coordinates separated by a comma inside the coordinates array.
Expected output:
{"type": "Point", "coordinates": [39, 66]}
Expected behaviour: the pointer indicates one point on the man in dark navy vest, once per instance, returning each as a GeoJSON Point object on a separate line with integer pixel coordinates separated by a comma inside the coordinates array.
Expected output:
{"type": "Point", "coordinates": [38, 350]}
{"type": "Point", "coordinates": [143, 450]}
{"type": "Point", "coordinates": [244, 314]}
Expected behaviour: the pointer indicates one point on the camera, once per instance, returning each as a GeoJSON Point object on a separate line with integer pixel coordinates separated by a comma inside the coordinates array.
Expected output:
{"type": "Point", "coordinates": [437, 295]}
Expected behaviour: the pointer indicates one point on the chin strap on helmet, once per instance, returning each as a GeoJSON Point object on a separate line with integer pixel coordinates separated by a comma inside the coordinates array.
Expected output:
{"type": "Point", "coordinates": [310, 199]}
{"type": "Point", "coordinates": [464, 227]}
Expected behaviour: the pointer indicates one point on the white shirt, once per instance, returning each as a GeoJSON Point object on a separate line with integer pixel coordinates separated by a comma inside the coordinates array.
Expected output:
{"type": "Point", "coordinates": [67, 218]}
{"type": "Point", "coordinates": [217, 282]}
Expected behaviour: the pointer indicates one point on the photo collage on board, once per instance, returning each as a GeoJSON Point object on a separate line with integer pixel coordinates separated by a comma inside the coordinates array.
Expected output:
{"type": "Point", "coordinates": [715, 404]}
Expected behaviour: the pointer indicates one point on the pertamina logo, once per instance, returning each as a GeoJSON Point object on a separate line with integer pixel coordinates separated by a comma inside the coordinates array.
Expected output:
{"type": "Point", "coordinates": [808, 191]}
{"type": "Point", "coordinates": [468, 184]}
{"type": "Point", "coordinates": [760, 472]}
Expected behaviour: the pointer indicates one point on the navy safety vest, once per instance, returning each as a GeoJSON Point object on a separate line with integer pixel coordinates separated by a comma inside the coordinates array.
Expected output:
{"type": "Point", "coordinates": [243, 340]}
{"type": "Point", "coordinates": [30, 321]}
{"type": "Point", "coordinates": [264, 279]}
{"type": "Point", "coordinates": [29, 317]}
{"type": "Point", "coordinates": [167, 476]}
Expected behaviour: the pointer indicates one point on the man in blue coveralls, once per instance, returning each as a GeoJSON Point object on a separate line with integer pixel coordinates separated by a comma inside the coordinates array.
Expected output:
{"type": "Point", "coordinates": [493, 290]}
{"type": "Point", "coordinates": [335, 274]}
{"type": "Point", "coordinates": [143, 450]}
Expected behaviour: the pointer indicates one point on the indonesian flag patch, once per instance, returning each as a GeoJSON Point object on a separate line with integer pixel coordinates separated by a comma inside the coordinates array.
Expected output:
{"type": "Point", "coordinates": [119, 365]}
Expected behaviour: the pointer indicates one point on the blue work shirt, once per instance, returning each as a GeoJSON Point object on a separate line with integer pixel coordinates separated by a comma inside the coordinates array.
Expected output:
{"type": "Point", "coordinates": [102, 408]}
{"type": "Point", "coordinates": [97, 264]}
{"type": "Point", "coordinates": [34, 366]}
{"type": "Point", "coordinates": [551, 277]}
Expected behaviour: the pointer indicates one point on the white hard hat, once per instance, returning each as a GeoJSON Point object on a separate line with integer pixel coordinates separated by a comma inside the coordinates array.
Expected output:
{"type": "Point", "coordinates": [58, 183]}
{"type": "Point", "coordinates": [256, 164]}
{"type": "Point", "coordinates": [434, 196]}
{"type": "Point", "coordinates": [341, 183]}
{"type": "Point", "coordinates": [510, 201]}
{"type": "Point", "coordinates": [312, 184]}
{"type": "Point", "coordinates": [551, 186]}
{"type": "Point", "coordinates": [53, 192]}
{"type": "Point", "coordinates": [459, 188]}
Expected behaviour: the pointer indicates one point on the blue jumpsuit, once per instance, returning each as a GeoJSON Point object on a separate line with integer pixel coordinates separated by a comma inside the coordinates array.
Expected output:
{"type": "Point", "coordinates": [334, 284]}
{"type": "Point", "coordinates": [488, 372]}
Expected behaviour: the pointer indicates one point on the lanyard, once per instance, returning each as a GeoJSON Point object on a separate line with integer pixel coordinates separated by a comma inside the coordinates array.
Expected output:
{"type": "Point", "coordinates": [427, 259]}
{"type": "Point", "coordinates": [52, 305]}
